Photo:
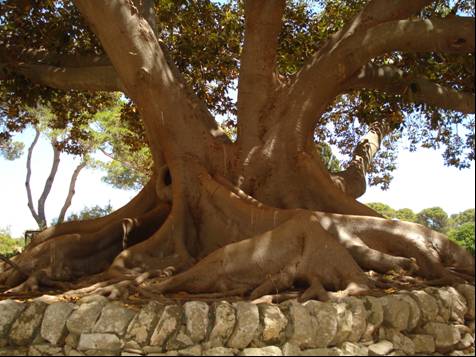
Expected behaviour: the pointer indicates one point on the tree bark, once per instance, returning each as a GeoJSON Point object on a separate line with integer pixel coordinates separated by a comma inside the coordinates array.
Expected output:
{"type": "Point", "coordinates": [28, 178]}
{"type": "Point", "coordinates": [263, 213]}
{"type": "Point", "coordinates": [71, 191]}
{"type": "Point", "coordinates": [48, 185]}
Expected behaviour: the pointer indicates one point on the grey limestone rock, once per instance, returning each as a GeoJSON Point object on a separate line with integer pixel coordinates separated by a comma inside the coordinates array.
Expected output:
{"type": "Point", "coordinates": [264, 351]}
{"type": "Point", "coordinates": [446, 336]}
{"type": "Point", "coordinates": [381, 348]}
{"type": "Point", "coordinates": [427, 304]}
{"type": "Point", "coordinates": [423, 343]}
{"type": "Point", "coordinates": [334, 351]}
{"type": "Point", "coordinates": [83, 319]}
{"type": "Point", "coordinates": [220, 351]}
{"type": "Point", "coordinates": [196, 317]}
{"type": "Point", "coordinates": [141, 327]}
{"type": "Point", "coordinates": [169, 322]}
{"type": "Point", "coordinates": [115, 318]}
{"type": "Point", "coordinates": [274, 324]}
{"type": "Point", "coordinates": [223, 325]}
{"type": "Point", "coordinates": [290, 349]}
{"type": "Point", "coordinates": [325, 316]}
{"type": "Point", "coordinates": [99, 342]}
{"type": "Point", "coordinates": [53, 327]}
{"type": "Point", "coordinates": [353, 349]}
{"type": "Point", "coordinates": [9, 311]}
{"type": "Point", "coordinates": [344, 323]}
{"type": "Point", "coordinates": [27, 325]}
{"type": "Point", "coordinates": [468, 293]}
{"type": "Point", "coordinates": [396, 312]}
{"type": "Point", "coordinates": [246, 327]}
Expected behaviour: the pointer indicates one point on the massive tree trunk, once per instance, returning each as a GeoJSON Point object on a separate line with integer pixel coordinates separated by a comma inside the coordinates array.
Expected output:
{"type": "Point", "coordinates": [263, 213]}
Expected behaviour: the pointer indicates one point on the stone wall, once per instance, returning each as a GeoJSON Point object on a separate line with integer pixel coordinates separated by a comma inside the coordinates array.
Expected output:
{"type": "Point", "coordinates": [430, 321]}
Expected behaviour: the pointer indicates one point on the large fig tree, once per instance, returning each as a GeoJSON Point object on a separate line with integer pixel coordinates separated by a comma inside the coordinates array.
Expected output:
{"type": "Point", "coordinates": [261, 213]}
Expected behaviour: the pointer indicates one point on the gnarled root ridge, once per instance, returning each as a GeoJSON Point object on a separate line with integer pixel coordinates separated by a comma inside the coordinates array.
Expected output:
{"type": "Point", "coordinates": [224, 243]}
{"type": "Point", "coordinates": [297, 251]}
{"type": "Point", "coordinates": [321, 251]}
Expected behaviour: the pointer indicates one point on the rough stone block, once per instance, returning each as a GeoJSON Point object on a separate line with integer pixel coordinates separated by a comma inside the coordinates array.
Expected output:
{"type": "Point", "coordinates": [220, 351]}
{"type": "Point", "coordinates": [99, 342]}
{"type": "Point", "coordinates": [381, 348]}
{"type": "Point", "coordinates": [223, 325]}
{"type": "Point", "coordinates": [274, 324]}
{"type": "Point", "coordinates": [428, 305]}
{"type": "Point", "coordinates": [301, 329]}
{"type": "Point", "coordinates": [83, 319]}
{"type": "Point", "coordinates": [446, 336]}
{"type": "Point", "coordinates": [322, 352]}
{"type": "Point", "coordinates": [353, 349]}
{"type": "Point", "coordinates": [9, 311]}
{"type": "Point", "coordinates": [53, 327]}
{"type": "Point", "coordinates": [141, 327]}
{"type": "Point", "coordinates": [423, 343]}
{"type": "Point", "coordinates": [196, 318]}
{"type": "Point", "coordinates": [246, 327]}
{"type": "Point", "coordinates": [265, 351]}
{"type": "Point", "coordinates": [374, 316]}
{"type": "Point", "coordinates": [468, 293]}
{"type": "Point", "coordinates": [344, 323]}
{"type": "Point", "coordinates": [27, 325]}
{"type": "Point", "coordinates": [326, 322]}
{"type": "Point", "coordinates": [359, 318]}
{"type": "Point", "coordinates": [169, 322]}
{"type": "Point", "coordinates": [115, 318]}
{"type": "Point", "coordinates": [396, 313]}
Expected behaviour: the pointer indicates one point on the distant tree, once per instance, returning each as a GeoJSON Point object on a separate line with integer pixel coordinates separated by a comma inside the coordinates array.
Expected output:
{"type": "Point", "coordinates": [461, 218]}
{"type": "Point", "coordinates": [384, 209]}
{"type": "Point", "coordinates": [11, 150]}
{"type": "Point", "coordinates": [57, 139]}
{"type": "Point", "coordinates": [464, 235]}
{"type": "Point", "coordinates": [330, 160]}
{"type": "Point", "coordinates": [461, 229]}
{"type": "Point", "coordinates": [406, 214]}
{"type": "Point", "coordinates": [90, 213]}
{"type": "Point", "coordinates": [9, 246]}
{"type": "Point", "coordinates": [435, 218]}
{"type": "Point", "coordinates": [129, 161]}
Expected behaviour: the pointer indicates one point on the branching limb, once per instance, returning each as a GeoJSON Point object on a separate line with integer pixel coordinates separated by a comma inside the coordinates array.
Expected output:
{"type": "Point", "coordinates": [352, 180]}
{"type": "Point", "coordinates": [48, 184]}
{"type": "Point", "coordinates": [263, 21]}
{"type": "Point", "coordinates": [412, 89]}
{"type": "Point", "coordinates": [72, 185]}
{"type": "Point", "coordinates": [28, 177]}
{"type": "Point", "coordinates": [94, 78]}
{"type": "Point", "coordinates": [322, 78]}
{"type": "Point", "coordinates": [374, 13]}
{"type": "Point", "coordinates": [164, 101]}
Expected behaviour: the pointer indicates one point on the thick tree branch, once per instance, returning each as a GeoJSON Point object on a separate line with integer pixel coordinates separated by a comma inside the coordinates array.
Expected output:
{"type": "Point", "coordinates": [71, 191]}
{"type": "Point", "coordinates": [377, 12]}
{"type": "Point", "coordinates": [412, 89]}
{"type": "Point", "coordinates": [93, 78]}
{"type": "Point", "coordinates": [320, 79]}
{"type": "Point", "coordinates": [263, 22]}
{"type": "Point", "coordinates": [28, 177]}
{"type": "Point", "coordinates": [48, 185]}
{"type": "Point", "coordinates": [353, 179]}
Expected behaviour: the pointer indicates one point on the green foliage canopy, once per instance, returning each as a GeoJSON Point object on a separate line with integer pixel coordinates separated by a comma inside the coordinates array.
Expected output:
{"type": "Point", "coordinates": [204, 39]}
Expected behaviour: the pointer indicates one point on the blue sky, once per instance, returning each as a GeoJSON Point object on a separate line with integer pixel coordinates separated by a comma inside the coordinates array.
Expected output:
{"type": "Point", "coordinates": [421, 181]}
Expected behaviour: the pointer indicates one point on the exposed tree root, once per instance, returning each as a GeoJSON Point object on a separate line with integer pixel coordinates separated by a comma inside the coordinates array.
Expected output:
{"type": "Point", "coordinates": [265, 251]}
